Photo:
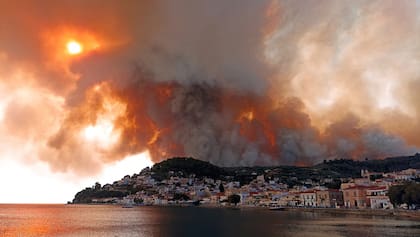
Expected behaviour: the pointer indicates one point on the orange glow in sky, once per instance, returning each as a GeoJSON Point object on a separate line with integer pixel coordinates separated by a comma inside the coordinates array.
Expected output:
{"type": "Point", "coordinates": [62, 44]}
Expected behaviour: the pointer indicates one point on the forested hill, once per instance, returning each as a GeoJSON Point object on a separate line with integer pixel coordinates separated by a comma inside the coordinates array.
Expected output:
{"type": "Point", "coordinates": [351, 167]}
{"type": "Point", "coordinates": [340, 168]}
{"type": "Point", "coordinates": [183, 166]}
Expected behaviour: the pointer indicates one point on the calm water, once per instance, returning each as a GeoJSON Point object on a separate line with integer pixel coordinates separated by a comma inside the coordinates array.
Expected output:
{"type": "Point", "coordinates": [75, 220]}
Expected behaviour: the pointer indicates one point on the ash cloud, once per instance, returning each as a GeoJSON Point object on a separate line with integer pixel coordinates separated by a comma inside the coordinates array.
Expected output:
{"type": "Point", "coordinates": [232, 82]}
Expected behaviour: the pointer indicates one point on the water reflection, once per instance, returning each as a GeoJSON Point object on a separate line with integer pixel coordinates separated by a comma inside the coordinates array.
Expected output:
{"type": "Point", "coordinates": [72, 220]}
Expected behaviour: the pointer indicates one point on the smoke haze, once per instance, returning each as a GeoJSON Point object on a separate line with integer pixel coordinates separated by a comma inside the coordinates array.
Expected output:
{"type": "Point", "coordinates": [232, 82]}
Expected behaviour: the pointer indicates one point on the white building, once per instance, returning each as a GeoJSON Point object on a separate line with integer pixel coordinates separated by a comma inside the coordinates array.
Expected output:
{"type": "Point", "coordinates": [308, 198]}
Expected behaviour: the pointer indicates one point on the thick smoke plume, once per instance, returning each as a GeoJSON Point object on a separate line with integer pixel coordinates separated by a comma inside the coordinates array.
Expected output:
{"type": "Point", "coordinates": [231, 82]}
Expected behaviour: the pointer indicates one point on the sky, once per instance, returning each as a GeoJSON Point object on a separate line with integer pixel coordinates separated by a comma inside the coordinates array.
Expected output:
{"type": "Point", "coordinates": [92, 90]}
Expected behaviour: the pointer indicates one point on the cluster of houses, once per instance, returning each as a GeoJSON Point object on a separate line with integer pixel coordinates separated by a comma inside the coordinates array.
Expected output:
{"type": "Point", "coordinates": [369, 191]}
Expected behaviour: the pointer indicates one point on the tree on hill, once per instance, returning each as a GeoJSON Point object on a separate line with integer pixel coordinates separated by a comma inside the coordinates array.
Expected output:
{"type": "Point", "coordinates": [86, 195]}
{"type": "Point", "coordinates": [335, 184]}
{"type": "Point", "coordinates": [186, 166]}
{"type": "Point", "coordinates": [97, 186]}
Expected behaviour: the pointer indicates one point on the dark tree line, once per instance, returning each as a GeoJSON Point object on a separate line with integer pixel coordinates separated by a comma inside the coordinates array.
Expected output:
{"type": "Point", "coordinates": [405, 194]}
{"type": "Point", "coordinates": [86, 195]}
{"type": "Point", "coordinates": [183, 166]}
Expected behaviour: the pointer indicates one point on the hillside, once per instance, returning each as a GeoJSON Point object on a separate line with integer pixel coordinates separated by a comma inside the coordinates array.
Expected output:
{"type": "Point", "coordinates": [184, 167]}
{"type": "Point", "coordinates": [328, 173]}
{"type": "Point", "coordinates": [351, 168]}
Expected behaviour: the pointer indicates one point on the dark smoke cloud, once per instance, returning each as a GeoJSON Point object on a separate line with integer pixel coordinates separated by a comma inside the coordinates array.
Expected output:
{"type": "Point", "coordinates": [232, 82]}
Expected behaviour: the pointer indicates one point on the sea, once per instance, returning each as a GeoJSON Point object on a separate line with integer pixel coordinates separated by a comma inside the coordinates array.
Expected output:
{"type": "Point", "coordinates": [150, 221]}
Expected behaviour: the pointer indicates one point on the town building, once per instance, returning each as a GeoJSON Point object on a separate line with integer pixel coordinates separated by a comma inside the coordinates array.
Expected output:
{"type": "Point", "coordinates": [377, 197]}
{"type": "Point", "coordinates": [308, 198]}
{"type": "Point", "coordinates": [330, 198]}
{"type": "Point", "coordinates": [355, 197]}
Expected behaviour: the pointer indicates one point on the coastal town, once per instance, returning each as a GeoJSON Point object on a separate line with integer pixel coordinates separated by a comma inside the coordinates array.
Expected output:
{"type": "Point", "coordinates": [371, 190]}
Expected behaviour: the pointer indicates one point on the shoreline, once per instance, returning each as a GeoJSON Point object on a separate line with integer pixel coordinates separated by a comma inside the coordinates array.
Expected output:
{"type": "Point", "coordinates": [398, 213]}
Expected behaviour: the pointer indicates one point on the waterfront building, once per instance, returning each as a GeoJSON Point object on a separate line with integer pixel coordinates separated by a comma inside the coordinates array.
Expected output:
{"type": "Point", "coordinates": [330, 198]}
{"type": "Point", "coordinates": [355, 197]}
{"type": "Point", "coordinates": [308, 198]}
{"type": "Point", "coordinates": [377, 197]}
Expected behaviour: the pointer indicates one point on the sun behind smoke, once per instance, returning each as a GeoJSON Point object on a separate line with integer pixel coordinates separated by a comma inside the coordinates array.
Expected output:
{"type": "Point", "coordinates": [74, 47]}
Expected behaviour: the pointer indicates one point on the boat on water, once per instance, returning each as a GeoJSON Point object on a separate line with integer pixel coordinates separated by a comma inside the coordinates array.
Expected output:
{"type": "Point", "coordinates": [277, 208]}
